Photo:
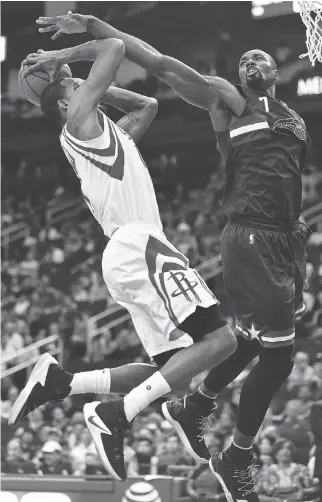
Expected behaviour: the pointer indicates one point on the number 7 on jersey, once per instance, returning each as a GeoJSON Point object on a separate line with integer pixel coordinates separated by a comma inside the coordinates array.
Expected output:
{"type": "Point", "coordinates": [264, 98]}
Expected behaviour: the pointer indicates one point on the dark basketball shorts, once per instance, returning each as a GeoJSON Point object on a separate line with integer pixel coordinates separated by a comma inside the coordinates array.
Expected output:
{"type": "Point", "coordinates": [264, 272]}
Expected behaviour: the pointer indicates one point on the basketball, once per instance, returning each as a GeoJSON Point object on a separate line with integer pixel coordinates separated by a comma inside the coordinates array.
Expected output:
{"type": "Point", "coordinates": [35, 83]}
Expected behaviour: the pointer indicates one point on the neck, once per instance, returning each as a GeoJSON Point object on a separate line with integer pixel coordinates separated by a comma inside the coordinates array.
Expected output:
{"type": "Point", "coordinates": [271, 91]}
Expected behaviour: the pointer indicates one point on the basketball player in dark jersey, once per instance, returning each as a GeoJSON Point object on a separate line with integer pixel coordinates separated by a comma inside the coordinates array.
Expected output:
{"type": "Point", "coordinates": [263, 145]}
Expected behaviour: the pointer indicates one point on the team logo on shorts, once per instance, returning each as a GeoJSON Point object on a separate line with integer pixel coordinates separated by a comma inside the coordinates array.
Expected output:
{"type": "Point", "coordinates": [184, 286]}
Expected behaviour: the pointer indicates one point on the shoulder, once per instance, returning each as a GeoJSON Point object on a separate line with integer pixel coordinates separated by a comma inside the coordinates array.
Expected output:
{"type": "Point", "coordinates": [225, 95]}
{"type": "Point", "coordinates": [84, 124]}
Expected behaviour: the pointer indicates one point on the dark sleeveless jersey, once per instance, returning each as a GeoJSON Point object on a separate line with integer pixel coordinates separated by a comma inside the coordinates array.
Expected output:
{"type": "Point", "coordinates": [264, 152]}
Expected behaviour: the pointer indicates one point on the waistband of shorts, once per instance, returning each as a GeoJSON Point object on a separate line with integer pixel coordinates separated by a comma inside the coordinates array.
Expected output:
{"type": "Point", "coordinates": [145, 224]}
{"type": "Point", "coordinates": [286, 227]}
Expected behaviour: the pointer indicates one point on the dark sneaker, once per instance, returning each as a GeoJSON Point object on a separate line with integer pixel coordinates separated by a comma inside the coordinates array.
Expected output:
{"type": "Point", "coordinates": [238, 484]}
{"type": "Point", "coordinates": [189, 420]}
{"type": "Point", "coordinates": [47, 382]}
{"type": "Point", "coordinates": [107, 424]}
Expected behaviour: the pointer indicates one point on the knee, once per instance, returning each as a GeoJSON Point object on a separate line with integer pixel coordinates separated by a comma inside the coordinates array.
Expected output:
{"type": "Point", "coordinates": [226, 338]}
{"type": "Point", "coordinates": [278, 362]}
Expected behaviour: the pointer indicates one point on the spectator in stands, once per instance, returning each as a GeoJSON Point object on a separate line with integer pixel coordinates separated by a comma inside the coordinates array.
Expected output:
{"type": "Point", "coordinates": [145, 451]}
{"type": "Point", "coordinates": [75, 430]}
{"type": "Point", "coordinates": [130, 459]}
{"type": "Point", "coordinates": [171, 453]}
{"type": "Point", "coordinates": [6, 406]}
{"type": "Point", "coordinates": [79, 451]}
{"type": "Point", "coordinates": [11, 340]}
{"type": "Point", "coordinates": [59, 420]}
{"type": "Point", "coordinates": [316, 427]}
{"type": "Point", "coordinates": [14, 463]}
{"type": "Point", "coordinates": [187, 243]}
{"type": "Point", "coordinates": [43, 434]}
{"type": "Point", "coordinates": [28, 444]}
{"type": "Point", "coordinates": [295, 429]}
{"type": "Point", "coordinates": [36, 419]}
{"type": "Point", "coordinates": [302, 372]}
{"type": "Point", "coordinates": [203, 485]}
{"type": "Point", "coordinates": [285, 479]}
{"type": "Point", "coordinates": [265, 451]}
{"type": "Point", "coordinates": [51, 462]}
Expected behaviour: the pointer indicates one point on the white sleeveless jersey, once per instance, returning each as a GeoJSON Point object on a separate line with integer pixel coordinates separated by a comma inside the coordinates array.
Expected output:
{"type": "Point", "coordinates": [115, 181]}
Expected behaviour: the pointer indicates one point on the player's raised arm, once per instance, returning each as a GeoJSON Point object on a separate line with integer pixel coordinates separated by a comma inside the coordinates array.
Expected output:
{"type": "Point", "coordinates": [140, 110]}
{"type": "Point", "coordinates": [107, 56]}
{"type": "Point", "coordinates": [189, 84]}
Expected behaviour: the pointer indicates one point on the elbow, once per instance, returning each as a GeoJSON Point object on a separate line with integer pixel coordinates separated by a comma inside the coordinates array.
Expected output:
{"type": "Point", "coordinates": [153, 105]}
{"type": "Point", "coordinates": [114, 44]}
{"type": "Point", "coordinates": [117, 43]}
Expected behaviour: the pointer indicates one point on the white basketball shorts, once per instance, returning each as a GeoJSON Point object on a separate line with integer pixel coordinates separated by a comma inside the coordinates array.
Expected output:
{"type": "Point", "coordinates": [148, 276]}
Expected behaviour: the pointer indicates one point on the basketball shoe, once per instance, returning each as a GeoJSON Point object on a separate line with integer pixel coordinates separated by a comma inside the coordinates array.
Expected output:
{"type": "Point", "coordinates": [236, 481]}
{"type": "Point", "coordinates": [189, 420]}
{"type": "Point", "coordinates": [107, 424]}
{"type": "Point", "coordinates": [47, 382]}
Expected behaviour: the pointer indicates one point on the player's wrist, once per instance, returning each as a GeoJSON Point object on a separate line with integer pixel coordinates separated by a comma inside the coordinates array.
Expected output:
{"type": "Point", "coordinates": [65, 56]}
{"type": "Point", "coordinates": [99, 28]}
{"type": "Point", "coordinates": [89, 22]}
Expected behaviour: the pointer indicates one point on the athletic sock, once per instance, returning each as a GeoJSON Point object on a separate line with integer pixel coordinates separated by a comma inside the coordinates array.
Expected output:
{"type": "Point", "coordinates": [240, 457]}
{"type": "Point", "coordinates": [96, 382]}
{"type": "Point", "coordinates": [139, 398]}
{"type": "Point", "coordinates": [203, 398]}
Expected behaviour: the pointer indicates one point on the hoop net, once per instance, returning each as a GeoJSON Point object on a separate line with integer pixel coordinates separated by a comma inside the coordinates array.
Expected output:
{"type": "Point", "coordinates": [311, 14]}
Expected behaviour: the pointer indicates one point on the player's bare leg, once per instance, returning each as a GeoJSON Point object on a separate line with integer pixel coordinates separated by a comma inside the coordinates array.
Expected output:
{"type": "Point", "coordinates": [49, 382]}
{"type": "Point", "coordinates": [107, 422]}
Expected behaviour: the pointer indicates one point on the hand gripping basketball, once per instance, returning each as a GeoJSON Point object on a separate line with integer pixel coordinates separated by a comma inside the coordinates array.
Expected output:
{"type": "Point", "coordinates": [68, 24]}
{"type": "Point", "coordinates": [42, 60]}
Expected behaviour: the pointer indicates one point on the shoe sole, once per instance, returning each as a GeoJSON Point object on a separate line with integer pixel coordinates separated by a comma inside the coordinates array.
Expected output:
{"type": "Point", "coordinates": [38, 375]}
{"type": "Point", "coordinates": [89, 410]}
{"type": "Point", "coordinates": [227, 493]}
{"type": "Point", "coordinates": [181, 434]}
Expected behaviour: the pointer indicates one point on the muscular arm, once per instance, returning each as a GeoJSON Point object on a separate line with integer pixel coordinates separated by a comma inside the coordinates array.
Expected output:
{"type": "Point", "coordinates": [82, 120]}
{"type": "Point", "coordinates": [140, 110]}
{"type": "Point", "coordinates": [209, 93]}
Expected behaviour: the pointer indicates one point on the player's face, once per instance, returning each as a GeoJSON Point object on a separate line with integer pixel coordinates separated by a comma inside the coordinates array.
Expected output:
{"type": "Point", "coordinates": [71, 85]}
{"type": "Point", "coordinates": [257, 70]}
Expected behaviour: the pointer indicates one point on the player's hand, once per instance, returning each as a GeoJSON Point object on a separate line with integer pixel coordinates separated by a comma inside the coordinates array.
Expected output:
{"type": "Point", "coordinates": [68, 24]}
{"type": "Point", "coordinates": [42, 60]}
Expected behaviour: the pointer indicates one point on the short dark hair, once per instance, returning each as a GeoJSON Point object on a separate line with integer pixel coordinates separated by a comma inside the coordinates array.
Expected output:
{"type": "Point", "coordinates": [49, 102]}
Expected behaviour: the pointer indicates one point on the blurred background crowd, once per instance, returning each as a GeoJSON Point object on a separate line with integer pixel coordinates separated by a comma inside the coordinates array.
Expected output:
{"type": "Point", "coordinates": [53, 293]}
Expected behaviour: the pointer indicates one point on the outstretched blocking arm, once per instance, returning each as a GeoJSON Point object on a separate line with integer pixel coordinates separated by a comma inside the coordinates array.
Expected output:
{"type": "Point", "coordinates": [207, 93]}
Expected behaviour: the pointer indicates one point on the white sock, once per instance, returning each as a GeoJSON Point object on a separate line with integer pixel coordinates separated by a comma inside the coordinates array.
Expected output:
{"type": "Point", "coordinates": [144, 394]}
{"type": "Point", "coordinates": [96, 382]}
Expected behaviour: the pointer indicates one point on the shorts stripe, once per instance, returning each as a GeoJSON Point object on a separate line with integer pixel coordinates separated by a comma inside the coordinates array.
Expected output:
{"type": "Point", "coordinates": [300, 310]}
{"type": "Point", "coordinates": [278, 338]}
{"type": "Point", "coordinates": [242, 331]}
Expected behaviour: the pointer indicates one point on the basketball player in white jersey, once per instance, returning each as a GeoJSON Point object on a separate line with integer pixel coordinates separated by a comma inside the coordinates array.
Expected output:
{"type": "Point", "coordinates": [170, 304]}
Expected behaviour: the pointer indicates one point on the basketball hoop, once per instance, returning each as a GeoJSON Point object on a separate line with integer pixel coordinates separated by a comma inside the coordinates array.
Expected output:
{"type": "Point", "coordinates": [311, 14]}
